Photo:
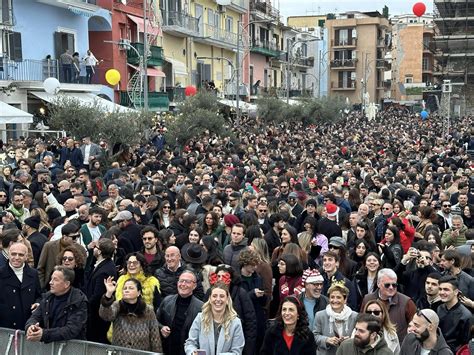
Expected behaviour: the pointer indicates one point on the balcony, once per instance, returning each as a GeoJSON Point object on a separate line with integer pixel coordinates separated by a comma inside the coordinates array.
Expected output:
{"type": "Point", "coordinates": [381, 42]}
{"type": "Point", "coordinates": [180, 24]}
{"type": "Point", "coordinates": [175, 94]}
{"type": "Point", "coordinates": [38, 70]}
{"type": "Point", "coordinates": [154, 59]}
{"type": "Point", "coordinates": [269, 49]}
{"type": "Point", "coordinates": [343, 63]}
{"type": "Point", "coordinates": [157, 101]}
{"type": "Point", "coordinates": [348, 42]}
{"type": "Point", "coordinates": [237, 6]}
{"type": "Point", "coordinates": [268, 11]}
{"type": "Point", "coordinates": [217, 36]}
{"type": "Point", "coordinates": [304, 62]}
{"type": "Point", "coordinates": [341, 86]}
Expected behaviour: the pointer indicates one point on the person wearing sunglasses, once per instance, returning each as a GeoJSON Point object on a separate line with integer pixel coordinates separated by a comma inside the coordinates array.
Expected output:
{"type": "Point", "coordinates": [379, 310]}
{"type": "Point", "coordinates": [424, 336]}
{"type": "Point", "coordinates": [401, 307]}
{"type": "Point", "coordinates": [72, 257]}
{"type": "Point", "coordinates": [48, 258]}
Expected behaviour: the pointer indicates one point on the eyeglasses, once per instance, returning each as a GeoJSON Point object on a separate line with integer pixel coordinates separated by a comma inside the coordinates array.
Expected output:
{"type": "Point", "coordinates": [424, 257]}
{"type": "Point", "coordinates": [74, 236]}
{"type": "Point", "coordinates": [386, 208]}
{"type": "Point", "coordinates": [388, 285]}
{"type": "Point", "coordinates": [446, 205]}
{"type": "Point", "coordinates": [133, 262]}
{"type": "Point", "coordinates": [166, 207]}
{"type": "Point", "coordinates": [68, 258]}
{"type": "Point", "coordinates": [374, 312]}
{"type": "Point", "coordinates": [148, 238]}
{"type": "Point", "coordinates": [420, 313]}
{"type": "Point", "coordinates": [187, 282]}
{"type": "Point", "coordinates": [284, 186]}
{"type": "Point", "coordinates": [262, 211]}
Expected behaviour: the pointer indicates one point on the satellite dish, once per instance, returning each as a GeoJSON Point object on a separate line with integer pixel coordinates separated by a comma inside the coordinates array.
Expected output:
{"type": "Point", "coordinates": [224, 2]}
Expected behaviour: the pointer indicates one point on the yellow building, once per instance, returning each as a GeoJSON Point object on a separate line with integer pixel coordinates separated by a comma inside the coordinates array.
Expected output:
{"type": "Point", "coordinates": [306, 21]}
{"type": "Point", "coordinates": [200, 41]}
{"type": "Point", "coordinates": [357, 44]}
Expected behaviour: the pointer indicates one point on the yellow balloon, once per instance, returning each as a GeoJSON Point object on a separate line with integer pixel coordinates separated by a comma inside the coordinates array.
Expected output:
{"type": "Point", "coordinates": [112, 76]}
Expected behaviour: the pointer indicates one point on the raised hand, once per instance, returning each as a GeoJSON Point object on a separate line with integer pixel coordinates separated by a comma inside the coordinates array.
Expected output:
{"type": "Point", "coordinates": [110, 286]}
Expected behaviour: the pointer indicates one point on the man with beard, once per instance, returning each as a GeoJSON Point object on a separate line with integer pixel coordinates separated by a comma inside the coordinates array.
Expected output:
{"type": "Point", "coordinates": [366, 338]}
{"type": "Point", "coordinates": [272, 237]}
{"type": "Point", "coordinates": [424, 336]}
{"type": "Point", "coordinates": [430, 299]}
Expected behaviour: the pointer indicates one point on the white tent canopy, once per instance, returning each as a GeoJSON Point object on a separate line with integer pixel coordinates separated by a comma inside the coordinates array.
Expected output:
{"type": "Point", "coordinates": [243, 106]}
{"type": "Point", "coordinates": [85, 98]}
{"type": "Point", "coordinates": [10, 114]}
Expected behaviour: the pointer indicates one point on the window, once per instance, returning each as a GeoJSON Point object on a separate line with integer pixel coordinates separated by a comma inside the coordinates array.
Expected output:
{"type": "Point", "coordinates": [229, 24]}
{"type": "Point", "coordinates": [14, 46]}
{"type": "Point", "coordinates": [210, 17]}
{"type": "Point", "coordinates": [62, 42]}
{"type": "Point", "coordinates": [6, 15]}
{"type": "Point", "coordinates": [408, 80]}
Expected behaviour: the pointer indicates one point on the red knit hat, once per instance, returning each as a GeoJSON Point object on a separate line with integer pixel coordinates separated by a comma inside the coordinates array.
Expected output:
{"type": "Point", "coordinates": [231, 219]}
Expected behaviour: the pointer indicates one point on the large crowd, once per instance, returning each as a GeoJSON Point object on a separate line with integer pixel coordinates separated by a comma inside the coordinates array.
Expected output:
{"type": "Point", "coordinates": [355, 237]}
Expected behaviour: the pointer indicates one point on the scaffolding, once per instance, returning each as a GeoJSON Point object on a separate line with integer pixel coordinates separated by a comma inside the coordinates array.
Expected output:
{"type": "Point", "coordinates": [454, 43]}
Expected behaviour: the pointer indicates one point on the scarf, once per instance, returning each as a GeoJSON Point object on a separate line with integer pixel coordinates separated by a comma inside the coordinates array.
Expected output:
{"type": "Point", "coordinates": [15, 212]}
{"type": "Point", "coordinates": [340, 317]}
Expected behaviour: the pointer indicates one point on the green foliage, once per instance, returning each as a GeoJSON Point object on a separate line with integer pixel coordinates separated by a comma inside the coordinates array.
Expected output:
{"type": "Point", "coordinates": [309, 110]}
{"type": "Point", "coordinates": [198, 115]}
{"type": "Point", "coordinates": [385, 12]}
{"type": "Point", "coordinates": [414, 91]}
{"type": "Point", "coordinates": [93, 120]}
{"type": "Point", "coordinates": [271, 109]}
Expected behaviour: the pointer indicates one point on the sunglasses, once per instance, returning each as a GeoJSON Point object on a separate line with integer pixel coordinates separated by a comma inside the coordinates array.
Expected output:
{"type": "Point", "coordinates": [374, 312]}
{"type": "Point", "coordinates": [68, 258]}
{"type": "Point", "coordinates": [446, 205]}
{"type": "Point", "coordinates": [385, 208]}
{"type": "Point", "coordinates": [166, 207]}
{"type": "Point", "coordinates": [258, 210]}
{"type": "Point", "coordinates": [74, 236]}
{"type": "Point", "coordinates": [420, 313]}
{"type": "Point", "coordinates": [388, 285]}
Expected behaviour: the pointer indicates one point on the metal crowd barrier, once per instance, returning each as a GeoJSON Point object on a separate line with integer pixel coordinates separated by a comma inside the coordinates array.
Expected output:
{"type": "Point", "coordinates": [14, 343]}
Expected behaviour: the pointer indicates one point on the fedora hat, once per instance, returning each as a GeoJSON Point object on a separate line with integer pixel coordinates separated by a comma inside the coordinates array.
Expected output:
{"type": "Point", "coordinates": [193, 253]}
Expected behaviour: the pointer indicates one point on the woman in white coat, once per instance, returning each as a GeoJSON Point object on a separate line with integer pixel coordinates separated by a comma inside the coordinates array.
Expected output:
{"type": "Point", "coordinates": [217, 329]}
{"type": "Point", "coordinates": [334, 324]}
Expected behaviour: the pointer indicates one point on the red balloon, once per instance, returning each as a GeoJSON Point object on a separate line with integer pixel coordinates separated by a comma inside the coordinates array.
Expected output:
{"type": "Point", "coordinates": [190, 90]}
{"type": "Point", "coordinates": [419, 9]}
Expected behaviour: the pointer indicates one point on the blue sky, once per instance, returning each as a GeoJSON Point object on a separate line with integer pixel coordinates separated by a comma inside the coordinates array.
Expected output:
{"type": "Point", "coordinates": [310, 7]}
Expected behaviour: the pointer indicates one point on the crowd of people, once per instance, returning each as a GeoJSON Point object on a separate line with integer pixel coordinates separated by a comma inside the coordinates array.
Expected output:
{"type": "Point", "coordinates": [355, 237]}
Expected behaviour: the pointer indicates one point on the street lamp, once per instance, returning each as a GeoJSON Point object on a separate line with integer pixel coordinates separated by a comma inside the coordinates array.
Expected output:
{"type": "Point", "coordinates": [140, 67]}
{"type": "Point", "coordinates": [237, 64]}
{"type": "Point", "coordinates": [288, 64]}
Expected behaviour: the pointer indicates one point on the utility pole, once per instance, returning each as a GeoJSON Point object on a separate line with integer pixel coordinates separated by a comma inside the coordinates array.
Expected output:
{"type": "Point", "coordinates": [145, 57]}
{"type": "Point", "coordinates": [237, 76]}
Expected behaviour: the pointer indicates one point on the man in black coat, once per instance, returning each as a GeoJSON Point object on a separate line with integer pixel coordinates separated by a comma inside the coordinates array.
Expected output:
{"type": "Point", "coordinates": [130, 230]}
{"type": "Point", "coordinates": [95, 289]}
{"type": "Point", "coordinates": [36, 239]}
{"type": "Point", "coordinates": [62, 312]}
{"type": "Point", "coordinates": [20, 289]}
{"type": "Point", "coordinates": [177, 312]}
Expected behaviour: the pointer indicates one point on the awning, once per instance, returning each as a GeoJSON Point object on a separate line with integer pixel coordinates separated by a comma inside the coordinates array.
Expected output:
{"type": "Point", "coordinates": [10, 114]}
{"type": "Point", "coordinates": [85, 98]}
{"type": "Point", "coordinates": [179, 68]}
{"type": "Point", "coordinates": [156, 31]}
{"type": "Point", "coordinates": [150, 71]}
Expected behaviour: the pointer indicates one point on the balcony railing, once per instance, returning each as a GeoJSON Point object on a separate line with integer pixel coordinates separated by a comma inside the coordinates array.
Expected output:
{"type": "Point", "coordinates": [157, 101]}
{"type": "Point", "coordinates": [266, 48]}
{"type": "Point", "coordinates": [175, 94]}
{"type": "Point", "coordinates": [348, 42]}
{"type": "Point", "coordinates": [340, 85]}
{"type": "Point", "coordinates": [39, 70]}
{"type": "Point", "coordinates": [220, 35]}
{"type": "Point", "coordinates": [343, 63]}
{"type": "Point", "coordinates": [265, 8]}
{"type": "Point", "coordinates": [179, 19]}
{"type": "Point", "coordinates": [155, 57]}
{"type": "Point", "coordinates": [306, 62]}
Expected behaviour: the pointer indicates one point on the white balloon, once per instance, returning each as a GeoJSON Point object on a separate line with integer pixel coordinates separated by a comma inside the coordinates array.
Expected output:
{"type": "Point", "coordinates": [51, 86]}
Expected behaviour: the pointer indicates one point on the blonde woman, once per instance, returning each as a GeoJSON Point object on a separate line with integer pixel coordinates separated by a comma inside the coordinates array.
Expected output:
{"type": "Point", "coordinates": [264, 269]}
{"type": "Point", "coordinates": [378, 309]}
{"type": "Point", "coordinates": [110, 208]}
{"type": "Point", "coordinates": [217, 329]}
